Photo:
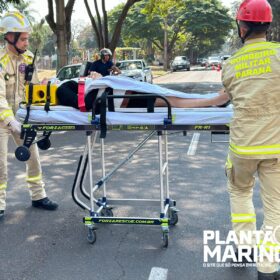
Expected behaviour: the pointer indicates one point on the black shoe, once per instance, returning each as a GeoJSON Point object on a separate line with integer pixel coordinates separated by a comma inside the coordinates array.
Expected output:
{"type": "Point", "coordinates": [45, 203]}
{"type": "Point", "coordinates": [244, 260]}
{"type": "Point", "coordinates": [2, 214]}
{"type": "Point", "coordinates": [269, 276]}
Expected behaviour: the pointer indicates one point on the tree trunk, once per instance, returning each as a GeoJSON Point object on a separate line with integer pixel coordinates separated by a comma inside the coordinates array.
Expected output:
{"type": "Point", "coordinates": [102, 32]}
{"type": "Point", "coordinates": [150, 51]}
{"type": "Point", "coordinates": [68, 14]}
{"type": "Point", "coordinates": [61, 34]}
{"type": "Point", "coordinates": [165, 56]}
{"type": "Point", "coordinates": [61, 28]}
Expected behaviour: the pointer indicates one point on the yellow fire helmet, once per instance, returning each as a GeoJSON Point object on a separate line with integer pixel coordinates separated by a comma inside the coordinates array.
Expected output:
{"type": "Point", "coordinates": [14, 22]}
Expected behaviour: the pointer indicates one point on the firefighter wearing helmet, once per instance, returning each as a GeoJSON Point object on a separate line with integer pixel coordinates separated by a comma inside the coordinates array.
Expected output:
{"type": "Point", "coordinates": [251, 78]}
{"type": "Point", "coordinates": [14, 60]}
{"type": "Point", "coordinates": [104, 66]}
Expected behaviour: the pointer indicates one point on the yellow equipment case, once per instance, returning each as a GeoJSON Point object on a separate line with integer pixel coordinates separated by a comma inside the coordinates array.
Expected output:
{"type": "Point", "coordinates": [37, 94]}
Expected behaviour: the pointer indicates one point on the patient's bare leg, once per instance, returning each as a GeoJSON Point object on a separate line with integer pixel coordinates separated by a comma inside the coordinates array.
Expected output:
{"type": "Point", "coordinates": [221, 99]}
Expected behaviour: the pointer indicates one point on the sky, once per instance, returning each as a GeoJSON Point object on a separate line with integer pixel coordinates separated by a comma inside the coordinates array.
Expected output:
{"type": "Point", "coordinates": [80, 13]}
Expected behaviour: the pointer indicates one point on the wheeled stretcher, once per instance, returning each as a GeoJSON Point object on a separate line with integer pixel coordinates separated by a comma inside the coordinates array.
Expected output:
{"type": "Point", "coordinates": [155, 120]}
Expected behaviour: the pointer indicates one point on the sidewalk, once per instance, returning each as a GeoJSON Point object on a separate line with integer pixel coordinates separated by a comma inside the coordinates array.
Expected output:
{"type": "Point", "coordinates": [43, 73]}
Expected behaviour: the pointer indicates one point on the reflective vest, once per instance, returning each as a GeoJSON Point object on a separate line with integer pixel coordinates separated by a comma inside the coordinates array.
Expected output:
{"type": "Point", "coordinates": [12, 89]}
{"type": "Point", "coordinates": [251, 77]}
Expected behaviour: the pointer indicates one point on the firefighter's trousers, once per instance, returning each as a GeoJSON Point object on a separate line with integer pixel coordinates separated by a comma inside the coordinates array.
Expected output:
{"type": "Point", "coordinates": [241, 180]}
{"type": "Point", "coordinates": [33, 169]}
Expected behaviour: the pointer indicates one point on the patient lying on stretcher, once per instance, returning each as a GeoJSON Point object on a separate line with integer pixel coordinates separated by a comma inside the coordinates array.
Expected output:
{"type": "Point", "coordinates": [68, 92]}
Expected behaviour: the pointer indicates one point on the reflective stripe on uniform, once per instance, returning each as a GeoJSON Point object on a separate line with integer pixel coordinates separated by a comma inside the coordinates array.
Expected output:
{"type": "Point", "coordinates": [260, 46]}
{"type": "Point", "coordinates": [269, 246]}
{"type": "Point", "coordinates": [228, 162]}
{"type": "Point", "coordinates": [27, 58]}
{"type": "Point", "coordinates": [3, 186]}
{"type": "Point", "coordinates": [34, 178]}
{"type": "Point", "coordinates": [254, 51]}
{"type": "Point", "coordinates": [4, 60]}
{"type": "Point", "coordinates": [243, 218]}
{"type": "Point", "coordinates": [18, 16]}
{"type": "Point", "coordinates": [255, 150]}
{"type": "Point", "coordinates": [5, 114]}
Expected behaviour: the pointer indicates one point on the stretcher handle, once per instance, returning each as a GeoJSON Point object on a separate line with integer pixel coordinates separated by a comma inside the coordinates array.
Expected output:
{"type": "Point", "coordinates": [102, 101]}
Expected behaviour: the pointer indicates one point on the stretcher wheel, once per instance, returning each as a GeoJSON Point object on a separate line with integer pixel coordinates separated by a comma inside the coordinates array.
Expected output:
{"type": "Point", "coordinates": [165, 237]}
{"type": "Point", "coordinates": [107, 212]}
{"type": "Point", "coordinates": [173, 218]}
{"type": "Point", "coordinates": [91, 236]}
{"type": "Point", "coordinates": [22, 153]}
{"type": "Point", "coordinates": [44, 144]}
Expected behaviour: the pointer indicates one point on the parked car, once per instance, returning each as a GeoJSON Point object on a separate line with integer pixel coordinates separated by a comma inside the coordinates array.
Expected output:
{"type": "Point", "coordinates": [203, 62]}
{"type": "Point", "coordinates": [214, 61]}
{"type": "Point", "coordinates": [136, 69]}
{"type": "Point", "coordinates": [179, 63]}
{"type": "Point", "coordinates": [69, 72]}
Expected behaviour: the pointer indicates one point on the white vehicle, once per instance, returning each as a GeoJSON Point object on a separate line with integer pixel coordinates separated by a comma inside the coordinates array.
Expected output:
{"type": "Point", "coordinates": [69, 72]}
{"type": "Point", "coordinates": [214, 61]}
{"type": "Point", "coordinates": [136, 69]}
{"type": "Point", "coordinates": [180, 63]}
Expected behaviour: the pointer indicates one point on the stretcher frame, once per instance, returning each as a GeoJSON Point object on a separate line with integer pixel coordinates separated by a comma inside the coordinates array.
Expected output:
{"type": "Point", "coordinates": [100, 209]}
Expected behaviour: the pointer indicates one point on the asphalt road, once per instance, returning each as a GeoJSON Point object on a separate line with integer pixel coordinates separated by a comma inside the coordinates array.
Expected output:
{"type": "Point", "coordinates": [41, 245]}
{"type": "Point", "coordinates": [201, 76]}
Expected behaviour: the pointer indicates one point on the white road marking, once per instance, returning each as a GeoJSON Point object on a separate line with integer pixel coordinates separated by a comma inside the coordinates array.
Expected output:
{"type": "Point", "coordinates": [158, 273]}
{"type": "Point", "coordinates": [193, 145]}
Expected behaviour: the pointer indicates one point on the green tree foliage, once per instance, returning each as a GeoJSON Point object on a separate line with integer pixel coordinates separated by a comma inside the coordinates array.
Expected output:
{"type": "Point", "coordinates": [171, 22]}
{"type": "Point", "coordinates": [144, 26]}
{"type": "Point", "coordinates": [61, 27]}
{"type": "Point", "coordinates": [274, 33]}
{"type": "Point", "coordinates": [194, 27]}
{"type": "Point", "coordinates": [100, 23]}
{"type": "Point", "coordinates": [4, 4]}
{"type": "Point", "coordinates": [87, 38]}
{"type": "Point", "coordinates": [43, 39]}
{"type": "Point", "coordinates": [138, 30]}
{"type": "Point", "coordinates": [233, 38]}
{"type": "Point", "coordinates": [24, 7]}
{"type": "Point", "coordinates": [49, 42]}
{"type": "Point", "coordinates": [209, 23]}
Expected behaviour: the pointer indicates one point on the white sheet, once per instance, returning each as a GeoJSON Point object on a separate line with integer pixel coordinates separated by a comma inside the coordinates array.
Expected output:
{"type": "Point", "coordinates": [69, 115]}
{"type": "Point", "coordinates": [121, 84]}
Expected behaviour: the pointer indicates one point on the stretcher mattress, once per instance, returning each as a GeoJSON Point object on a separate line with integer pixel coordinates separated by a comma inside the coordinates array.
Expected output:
{"type": "Point", "coordinates": [125, 116]}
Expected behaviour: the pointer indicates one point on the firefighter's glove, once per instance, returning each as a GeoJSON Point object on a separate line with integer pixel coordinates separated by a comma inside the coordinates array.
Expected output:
{"type": "Point", "coordinates": [15, 126]}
